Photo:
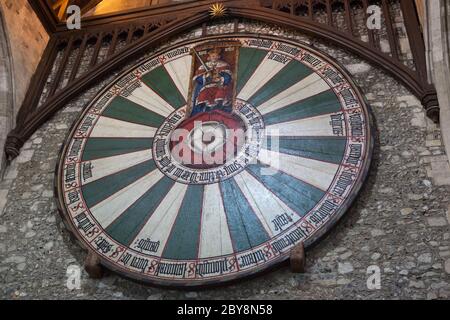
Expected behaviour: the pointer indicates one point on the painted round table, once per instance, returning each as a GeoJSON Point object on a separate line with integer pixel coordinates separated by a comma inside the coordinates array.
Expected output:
{"type": "Point", "coordinates": [212, 160]}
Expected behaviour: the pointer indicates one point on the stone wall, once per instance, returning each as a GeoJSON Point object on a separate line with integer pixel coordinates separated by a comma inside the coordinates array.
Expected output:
{"type": "Point", "coordinates": [400, 221]}
{"type": "Point", "coordinates": [28, 39]}
{"type": "Point", "coordinates": [6, 94]}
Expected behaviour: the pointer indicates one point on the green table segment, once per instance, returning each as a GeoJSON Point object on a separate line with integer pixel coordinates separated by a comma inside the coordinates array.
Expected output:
{"type": "Point", "coordinates": [212, 160]}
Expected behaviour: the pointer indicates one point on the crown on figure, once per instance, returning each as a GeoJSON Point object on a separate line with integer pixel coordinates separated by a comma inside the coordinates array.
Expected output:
{"type": "Point", "coordinates": [217, 51]}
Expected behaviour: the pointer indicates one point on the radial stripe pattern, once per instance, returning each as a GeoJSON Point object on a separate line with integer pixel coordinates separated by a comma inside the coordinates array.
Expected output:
{"type": "Point", "coordinates": [108, 210]}
{"type": "Point", "coordinates": [215, 236]}
{"type": "Point", "coordinates": [247, 231]}
{"type": "Point", "coordinates": [295, 193]}
{"type": "Point", "coordinates": [159, 81]}
{"type": "Point", "coordinates": [109, 166]}
{"type": "Point", "coordinates": [97, 148]}
{"type": "Point", "coordinates": [145, 97]}
{"type": "Point", "coordinates": [112, 128]}
{"type": "Point", "coordinates": [318, 148]}
{"type": "Point", "coordinates": [185, 234]}
{"type": "Point", "coordinates": [323, 103]}
{"type": "Point", "coordinates": [160, 223]}
{"type": "Point", "coordinates": [125, 110]}
{"type": "Point", "coordinates": [292, 73]}
{"type": "Point", "coordinates": [179, 70]}
{"type": "Point", "coordinates": [301, 146]}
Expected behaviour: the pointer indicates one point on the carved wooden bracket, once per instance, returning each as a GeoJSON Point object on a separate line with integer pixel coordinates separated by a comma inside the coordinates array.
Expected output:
{"type": "Point", "coordinates": [13, 145]}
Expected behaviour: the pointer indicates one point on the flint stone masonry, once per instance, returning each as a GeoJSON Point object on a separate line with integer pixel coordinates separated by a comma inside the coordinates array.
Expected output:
{"type": "Point", "coordinates": [390, 230]}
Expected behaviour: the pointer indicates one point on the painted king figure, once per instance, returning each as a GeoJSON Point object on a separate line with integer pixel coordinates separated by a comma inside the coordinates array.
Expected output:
{"type": "Point", "coordinates": [213, 85]}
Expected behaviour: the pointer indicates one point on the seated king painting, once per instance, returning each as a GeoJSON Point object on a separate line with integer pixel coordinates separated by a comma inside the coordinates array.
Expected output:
{"type": "Point", "coordinates": [213, 81]}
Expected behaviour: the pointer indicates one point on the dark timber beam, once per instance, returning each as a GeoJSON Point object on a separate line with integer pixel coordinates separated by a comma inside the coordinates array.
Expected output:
{"type": "Point", "coordinates": [59, 7]}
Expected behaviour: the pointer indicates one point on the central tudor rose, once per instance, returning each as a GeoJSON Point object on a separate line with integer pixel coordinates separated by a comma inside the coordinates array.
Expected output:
{"type": "Point", "coordinates": [208, 140]}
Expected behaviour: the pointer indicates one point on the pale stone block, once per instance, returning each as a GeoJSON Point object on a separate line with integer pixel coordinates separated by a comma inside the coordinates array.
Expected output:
{"type": "Point", "coordinates": [448, 214]}
{"type": "Point", "coordinates": [3, 199]}
{"type": "Point", "coordinates": [27, 145]}
{"type": "Point", "coordinates": [430, 159]}
{"type": "Point", "coordinates": [384, 45]}
{"type": "Point", "coordinates": [345, 268]}
{"type": "Point", "coordinates": [358, 68]}
{"type": "Point", "coordinates": [25, 156]}
{"type": "Point", "coordinates": [419, 120]}
{"type": "Point", "coordinates": [404, 45]}
{"type": "Point", "coordinates": [442, 181]}
{"type": "Point", "coordinates": [441, 167]}
{"type": "Point", "coordinates": [437, 222]}
{"type": "Point", "coordinates": [434, 143]}
{"type": "Point", "coordinates": [439, 170]}
{"type": "Point", "coordinates": [410, 100]}
{"type": "Point", "coordinates": [61, 126]}
{"type": "Point", "coordinates": [11, 172]}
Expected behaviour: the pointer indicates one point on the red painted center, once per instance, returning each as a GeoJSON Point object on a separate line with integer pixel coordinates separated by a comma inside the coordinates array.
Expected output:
{"type": "Point", "coordinates": [208, 140]}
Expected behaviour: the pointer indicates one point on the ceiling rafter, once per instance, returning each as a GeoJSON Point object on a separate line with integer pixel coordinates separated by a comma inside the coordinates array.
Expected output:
{"type": "Point", "coordinates": [59, 7]}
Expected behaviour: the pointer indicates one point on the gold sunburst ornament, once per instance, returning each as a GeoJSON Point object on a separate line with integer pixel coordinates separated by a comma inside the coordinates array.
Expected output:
{"type": "Point", "coordinates": [218, 10]}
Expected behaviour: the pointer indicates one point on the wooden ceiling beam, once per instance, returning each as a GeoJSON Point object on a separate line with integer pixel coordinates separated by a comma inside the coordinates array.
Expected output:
{"type": "Point", "coordinates": [49, 10]}
{"type": "Point", "coordinates": [52, 13]}
{"type": "Point", "coordinates": [45, 14]}
{"type": "Point", "coordinates": [59, 7]}
{"type": "Point", "coordinates": [86, 5]}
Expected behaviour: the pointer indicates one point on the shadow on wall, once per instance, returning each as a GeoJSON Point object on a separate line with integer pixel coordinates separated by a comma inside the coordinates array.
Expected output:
{"type": "Point", "coordinates": [6, 92]}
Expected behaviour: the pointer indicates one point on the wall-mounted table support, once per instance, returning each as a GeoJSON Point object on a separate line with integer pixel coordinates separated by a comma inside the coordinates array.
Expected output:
{"type": "Point", "coordinates": [93, 267]}
{"type": "Point", "coordinates": [298, 260]}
